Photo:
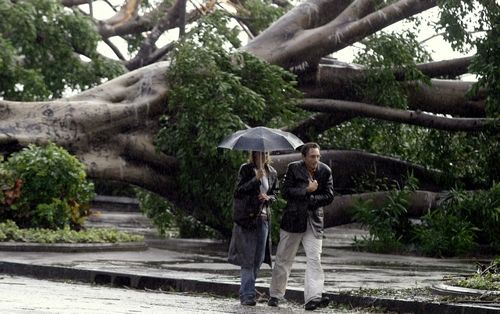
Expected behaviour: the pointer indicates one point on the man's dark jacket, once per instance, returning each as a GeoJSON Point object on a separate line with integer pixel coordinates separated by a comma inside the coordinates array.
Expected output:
{"type": "Point", "coordinates": [300, 203]}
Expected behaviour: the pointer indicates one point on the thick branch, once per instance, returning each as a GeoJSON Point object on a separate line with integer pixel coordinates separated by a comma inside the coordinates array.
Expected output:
{"type": "Point", "coordinates": [446, 97]}
{"type": "Point", "coordinates": [337, 80]}
{"type": "Point", "coordinates": [339, 212]}
{"type": "Point", "coordinates": [307, 15]}
{"type": "Point", "coordinates": [396, 115]}
{"type": "Point", "coordinates": [309, 128]}
{"type": "Point", "coordinates": [148, 46]}
{"type": "Point", "coordinates": [302, 44]}
{"type": "Point", "coordinates": [350, 167]}
{"type": "Point", "coordinates": [341, 73]}
{"type": "Point", "coordinates": [453, 67]}
{"type": "Point", "coordinates": [126, 13]}
{"type": "Point", "coordinates": [140, 24]}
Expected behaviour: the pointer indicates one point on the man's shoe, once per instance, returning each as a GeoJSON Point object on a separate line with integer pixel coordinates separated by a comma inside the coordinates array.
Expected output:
{"type": "Point", "coordinates": [324, 301]}
{"type": "Point", "coordinates": [249, 302]}
{"type": "Point", "coordinates": [318, 302]}
{"type": "Point", "coordinates": [273, 301]}
{"type": "Point", "coordinates": [312, 305]}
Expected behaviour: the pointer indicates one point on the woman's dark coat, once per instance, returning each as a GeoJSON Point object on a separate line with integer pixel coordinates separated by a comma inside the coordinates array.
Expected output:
{"type": "Point", "coordinates": [246, 209]}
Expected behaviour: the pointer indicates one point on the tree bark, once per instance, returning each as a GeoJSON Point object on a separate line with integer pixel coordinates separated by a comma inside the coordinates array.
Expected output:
{"type": "Point", "coordinates": [350, 167]}
{"type": "Point", "coordinates": [302, 36]}
{"type": "Point", "coordinates": [404, 116]}
{"type": "Point", "coordinates": [340, 211]}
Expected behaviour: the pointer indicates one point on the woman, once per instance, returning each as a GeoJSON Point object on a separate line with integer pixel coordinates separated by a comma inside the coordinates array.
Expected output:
{"type": "Point", "coordinates": [251, 242]}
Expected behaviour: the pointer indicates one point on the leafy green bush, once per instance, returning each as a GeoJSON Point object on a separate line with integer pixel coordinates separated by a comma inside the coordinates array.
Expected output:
{"type": "Point", "coordinates": [463, 220]}
{"type": "Point", "coordinates": [157, 209]}
{"type": "Point", "coordinates": [444, 234]}
{"type": "Point", "coordinates": [7, 183]}
{"type": "Point", "coordinates": [388, 225]}
{"type": "Point", "coordinates": [9, 231]}
{"type": "Point", "coordinates": [165, 217]}
{"type": "Point", "coordinates": [55, 192]}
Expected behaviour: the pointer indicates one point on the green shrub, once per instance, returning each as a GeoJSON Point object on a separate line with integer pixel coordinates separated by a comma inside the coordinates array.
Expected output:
{"type": "Point", "coordinates": [9, 231]}
{"type": "Point", "coordinates": [157, 209]}
{"type": "Point", "coordinates": [55, 192]}
{"type": "Point", "coordinates": [164, 217]}
{"type": "Point", "coordinates": [444, 234]}
{"type": "Point", "coordinates": [388, 225]}
{"type": "Point", "coordinates": [463, 220]}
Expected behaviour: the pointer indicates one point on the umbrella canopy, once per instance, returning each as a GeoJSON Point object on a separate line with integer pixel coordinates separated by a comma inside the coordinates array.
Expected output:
{"type": "Point", "coordinates": [261, 139]}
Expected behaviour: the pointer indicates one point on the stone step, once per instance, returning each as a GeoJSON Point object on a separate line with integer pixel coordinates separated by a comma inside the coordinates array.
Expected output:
{"type": "Point", "coordinates": [131, 222]}
{"type": "Point", "coordinates": [115, 203]}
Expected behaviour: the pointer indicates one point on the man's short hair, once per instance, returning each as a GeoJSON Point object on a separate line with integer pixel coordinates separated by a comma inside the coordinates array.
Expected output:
{"type": "Point", "coordinates": [307, 146]}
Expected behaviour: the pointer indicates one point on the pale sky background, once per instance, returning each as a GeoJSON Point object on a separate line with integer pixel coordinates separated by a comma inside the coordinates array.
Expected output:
{"type": "Point", "coordinates": [437, 47]}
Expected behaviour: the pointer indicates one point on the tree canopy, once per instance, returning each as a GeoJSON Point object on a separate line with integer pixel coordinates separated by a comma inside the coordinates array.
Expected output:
{"type": "Point", "coordinates": [152, 114]}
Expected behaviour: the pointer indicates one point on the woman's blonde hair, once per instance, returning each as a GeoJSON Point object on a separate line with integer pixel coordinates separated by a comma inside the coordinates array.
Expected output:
{"type": "Point", "coordinates": [252, 154]}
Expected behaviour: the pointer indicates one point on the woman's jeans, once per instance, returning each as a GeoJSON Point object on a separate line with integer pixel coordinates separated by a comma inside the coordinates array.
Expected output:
{"type": "Point", "coordinates": [255, 240]}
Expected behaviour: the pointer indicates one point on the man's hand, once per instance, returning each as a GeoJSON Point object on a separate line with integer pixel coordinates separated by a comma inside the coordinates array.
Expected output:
{"type": "Point", "coordinates": [313, 186]}
{"type": "Point", "coordinates": [264, 197]}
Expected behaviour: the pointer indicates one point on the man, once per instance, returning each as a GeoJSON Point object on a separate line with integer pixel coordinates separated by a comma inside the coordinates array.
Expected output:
{"type": "Point", "coordinates": [307, 187]}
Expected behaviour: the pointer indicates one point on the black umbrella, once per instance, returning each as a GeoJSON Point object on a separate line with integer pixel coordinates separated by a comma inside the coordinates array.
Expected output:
{"type": "Point", "coordinates": [261, 139]}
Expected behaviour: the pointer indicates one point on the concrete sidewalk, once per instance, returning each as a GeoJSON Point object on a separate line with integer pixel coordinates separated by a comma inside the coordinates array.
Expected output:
{"type": "Point", "coordinates": [200, 266]}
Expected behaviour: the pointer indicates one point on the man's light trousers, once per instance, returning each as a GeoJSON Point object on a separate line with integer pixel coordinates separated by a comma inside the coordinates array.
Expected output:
{"type": "Point", "coordinates": [285, 255]}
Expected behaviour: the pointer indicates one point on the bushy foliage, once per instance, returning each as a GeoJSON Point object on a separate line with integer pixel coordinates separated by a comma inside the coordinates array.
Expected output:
{"type": "Point", "coordinates": [384, 55]}
{"type": "Point", "coordinates": [9, 231]}
{"type": "Point", "coordinates": [55, 192]}
{"type": "Point", "coordinates": [462, 221]}
{"type": "Point", "coordinates": [210, 100]}
{"type": "Point", "coordinates": [444, 234]}
{"type": "Point", "coordinates": [461, 20]}
{"type": "Point", "coordinates": [387, 224]}
{"type": "Point", "coordinates": [464, 158]}
{"type": "Point", "coordinates": [480, 210]}
{"type": "Point", "coordinates": [165, 218]}
{"type": "Point", "coordinates": [157, 209]}
{"type": "Point", "coordinates": [259, 14]}
{"type": "Point", "coordinates": [38, 42]}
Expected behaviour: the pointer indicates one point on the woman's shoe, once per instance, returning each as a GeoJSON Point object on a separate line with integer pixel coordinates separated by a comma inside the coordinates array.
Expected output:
{"type": "Point", "coordinates": [248, 302]}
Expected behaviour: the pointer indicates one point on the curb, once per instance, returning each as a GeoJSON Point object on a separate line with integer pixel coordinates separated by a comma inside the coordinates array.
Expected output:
{"type": "Point", "coordinates": [226, 289]}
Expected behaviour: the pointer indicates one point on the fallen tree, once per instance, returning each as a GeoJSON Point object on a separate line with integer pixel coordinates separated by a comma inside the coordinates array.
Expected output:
{"type": "Point", "coordinates": [112, 127]}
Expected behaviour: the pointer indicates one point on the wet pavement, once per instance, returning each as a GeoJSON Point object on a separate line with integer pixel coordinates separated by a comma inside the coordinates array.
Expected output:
{"type": "Point", "coordinates": [27, 295]}
{"type": "Point", "coordinates": [200, 266]}
{"type": "Point", "coordinates": [344, 268]}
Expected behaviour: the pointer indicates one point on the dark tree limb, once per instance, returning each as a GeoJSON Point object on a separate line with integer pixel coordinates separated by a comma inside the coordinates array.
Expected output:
{"type": "Point", "coordinates": [350, 167]}
{"type": "Point", "coordinates": [397, 115]}
{"type": "Point", "coordinates": [339, 212]}
{"type": "Point", "coordinates": [309, 128]}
